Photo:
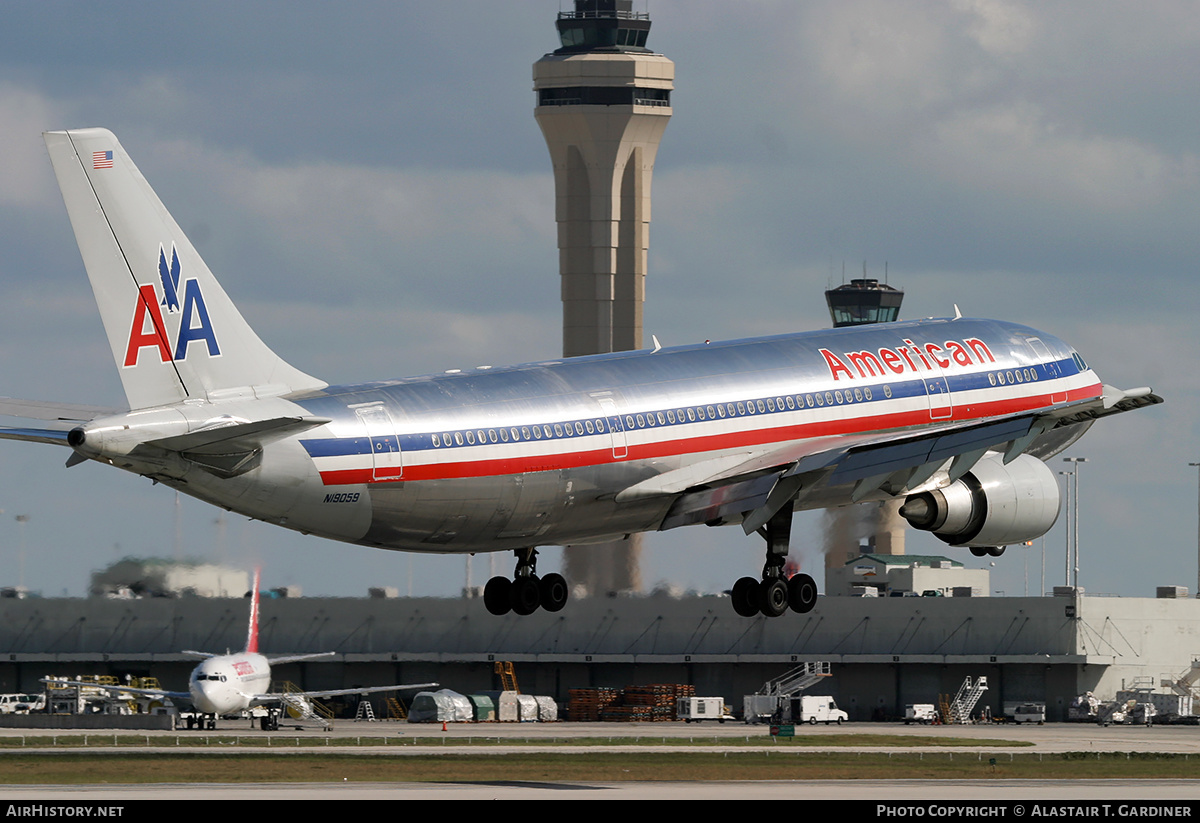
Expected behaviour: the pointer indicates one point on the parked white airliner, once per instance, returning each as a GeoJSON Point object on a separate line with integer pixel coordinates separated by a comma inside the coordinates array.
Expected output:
{"type": "Point", "coordinates": [954, 416]}
{"type": "Point", "coordinates": [230, 684]}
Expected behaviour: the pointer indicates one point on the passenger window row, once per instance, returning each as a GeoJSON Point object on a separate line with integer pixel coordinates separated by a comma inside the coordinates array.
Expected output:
{"type": "Point", "coordinates": [647, 420]}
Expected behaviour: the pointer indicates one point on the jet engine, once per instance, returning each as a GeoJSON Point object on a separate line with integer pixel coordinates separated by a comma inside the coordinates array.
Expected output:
{"type": "Point", "coordinates": [992, 505]}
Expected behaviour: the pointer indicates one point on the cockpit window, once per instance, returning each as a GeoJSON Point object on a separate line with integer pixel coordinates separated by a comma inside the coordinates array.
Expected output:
{"type": "Point", "coordinates": [1079, 361]}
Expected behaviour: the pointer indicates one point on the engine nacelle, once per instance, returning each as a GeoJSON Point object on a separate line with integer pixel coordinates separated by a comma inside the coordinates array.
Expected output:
{"type": "Point", "coordinates": [992, 505]}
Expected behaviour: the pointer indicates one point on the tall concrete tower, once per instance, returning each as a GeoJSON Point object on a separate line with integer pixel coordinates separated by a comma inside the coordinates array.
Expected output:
{"type": "Point", "coordinates": [603, 100]}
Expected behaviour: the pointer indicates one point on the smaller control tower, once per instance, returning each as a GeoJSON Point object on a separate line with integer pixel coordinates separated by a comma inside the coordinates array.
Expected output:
{"type": "Point", "coordinates": [863, 301]}
{"type": "Point", "coordinates": [859, 303]}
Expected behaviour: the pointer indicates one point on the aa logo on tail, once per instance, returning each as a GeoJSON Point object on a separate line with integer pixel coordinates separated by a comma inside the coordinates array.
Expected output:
{"type": "Point", "coordinates": [149, 330]}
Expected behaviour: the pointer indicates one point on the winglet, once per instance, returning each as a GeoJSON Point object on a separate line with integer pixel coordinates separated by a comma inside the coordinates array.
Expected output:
{"type": "Point", "coordinates": [252, 633]}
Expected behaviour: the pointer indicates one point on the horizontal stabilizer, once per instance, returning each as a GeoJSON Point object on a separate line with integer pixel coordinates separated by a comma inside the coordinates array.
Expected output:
{"type": "Point", "coordinates": [55, 437]}
{"type": "Point", "coordinates": [237, 436]}
{"type": "Point", "coordinates": [231, 448]}
{"type": "Point", "coordinates": [41, 410]}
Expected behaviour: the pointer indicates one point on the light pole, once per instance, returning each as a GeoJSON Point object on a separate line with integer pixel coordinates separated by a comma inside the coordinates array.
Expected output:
{"type": "Point", "coordinates": [1076, 461]}
{"type": "Point", "coordinates": [1197, 537]}
{"type": "Point", "coordinates": [1067, 563]}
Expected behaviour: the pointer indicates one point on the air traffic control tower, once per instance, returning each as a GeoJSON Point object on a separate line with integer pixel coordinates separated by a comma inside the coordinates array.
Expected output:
{"type": "Point", "coordinates": [603, 100]}
{"type": "Point", "coordinates": [858, 303]}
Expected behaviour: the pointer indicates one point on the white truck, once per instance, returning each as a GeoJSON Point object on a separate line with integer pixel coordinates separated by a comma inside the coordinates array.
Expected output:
{"type": "Point", "coordinates": [820, 709]}
{"type": "Point", "coordinates": [702, 708]}
{"type": "Point", "coordinates": [22, 703]}
{"type": "Point", "coordinates": [924, 713]}
{"type": "Point", "coordinates": [1026, 712]}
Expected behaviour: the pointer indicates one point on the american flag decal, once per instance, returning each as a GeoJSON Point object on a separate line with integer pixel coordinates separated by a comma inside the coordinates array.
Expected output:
{"type": "Point", "coordinates": [102, 160]}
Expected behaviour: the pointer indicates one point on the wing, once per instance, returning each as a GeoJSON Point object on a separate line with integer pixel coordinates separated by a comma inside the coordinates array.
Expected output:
{"type": "Point", "coordinates": [260, 699]}
{"type": "Point", "coordinates": [298, 657]}
{"type": "Point", "coordinates": [756, 483]}
{"type": "Point", "coordinates": [117, 691]}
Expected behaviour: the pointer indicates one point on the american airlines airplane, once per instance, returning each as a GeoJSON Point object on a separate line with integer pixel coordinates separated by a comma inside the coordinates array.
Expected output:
{"type": "Point", "coordinates": [231, 684]}
{"type": "Point", "coordinates": [954, 416]}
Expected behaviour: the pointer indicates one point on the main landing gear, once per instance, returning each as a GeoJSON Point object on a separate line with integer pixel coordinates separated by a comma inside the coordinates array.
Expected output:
{"type": "Point", "coordinates": [772, 595]}
{"type": "Point", "coordinates": [205, 722]}
{"type": "Point", "coordinates": [526, 592]}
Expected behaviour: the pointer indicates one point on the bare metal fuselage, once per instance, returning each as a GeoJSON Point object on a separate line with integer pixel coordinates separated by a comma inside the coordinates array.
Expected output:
{"type": "Point", "coordinates": [579, 450]}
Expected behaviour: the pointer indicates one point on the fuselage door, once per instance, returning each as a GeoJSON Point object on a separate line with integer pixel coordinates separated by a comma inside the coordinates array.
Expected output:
{"type": "Point", "coordinates": [937, 389]}
{"type": "Point", "coordinates": [386, 460]}
{"type": "Point", "coordinates": [616, 428]}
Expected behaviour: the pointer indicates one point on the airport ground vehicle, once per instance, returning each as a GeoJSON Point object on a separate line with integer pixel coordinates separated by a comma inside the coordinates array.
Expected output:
{"type": "Point", "coordinates": [22, 703]}
{"type": "Point", "coordinates": [820, 709]}
{"type": "Point", "coordinates": [695, 709]}
{"type": "Point", "coordinates": [924, 713]}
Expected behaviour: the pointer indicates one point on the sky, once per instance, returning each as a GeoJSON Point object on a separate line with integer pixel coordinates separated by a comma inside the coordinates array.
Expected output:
{"type": "Point", "coordinates": [368, 182]}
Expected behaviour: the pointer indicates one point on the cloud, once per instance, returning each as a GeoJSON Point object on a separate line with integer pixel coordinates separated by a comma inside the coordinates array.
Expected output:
{"type": "Point", "coordinates": [999, 27]}
{"type": "Point", "coordinates": [26, 180]}
{"type": "Point", "coordinates": [1019, 150]}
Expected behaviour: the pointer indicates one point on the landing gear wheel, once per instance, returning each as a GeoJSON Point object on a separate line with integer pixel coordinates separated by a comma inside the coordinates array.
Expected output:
{"type": "Point", "coordinates": [996, 551]}
{"type": "Point", "coordinates": [979, 551]}
{"type": "Point", "coordinates": [773, 597]}
{"type": "Point", "coordinates": [496, 597]}
{"type": "Point", "coordinates": [802, 593]}
{"type": "Point", "coordinates": [554, 592]}
{"type": "Point", "coordinates": [744, 596]}
{"type": "Point", "coordinates": [524, 596]}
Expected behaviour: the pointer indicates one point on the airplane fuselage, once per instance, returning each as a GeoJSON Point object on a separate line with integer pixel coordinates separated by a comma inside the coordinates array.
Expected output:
{"type": "Point", "coordinates": [568, 451]}
{"type": "Point", "coordinates": [226, 684]}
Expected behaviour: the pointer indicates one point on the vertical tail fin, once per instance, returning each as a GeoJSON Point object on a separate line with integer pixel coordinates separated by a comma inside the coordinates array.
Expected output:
{"type": "Point", "coordinates": [252, 631]}
{"type": "Point", "coordinates": [174, 332]}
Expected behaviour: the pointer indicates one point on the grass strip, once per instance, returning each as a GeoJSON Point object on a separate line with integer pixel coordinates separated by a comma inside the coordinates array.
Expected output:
{"type": "Point", "coordinates": [601, 767]}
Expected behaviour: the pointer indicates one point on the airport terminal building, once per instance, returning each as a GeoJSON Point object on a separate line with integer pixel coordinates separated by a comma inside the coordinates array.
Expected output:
{"type": "Point", "coordinates": [884, 652]}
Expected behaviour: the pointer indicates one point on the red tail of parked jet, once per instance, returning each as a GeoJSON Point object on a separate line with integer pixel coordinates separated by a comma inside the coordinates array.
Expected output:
{"type": "Point", "coordinates": [252, 632]}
